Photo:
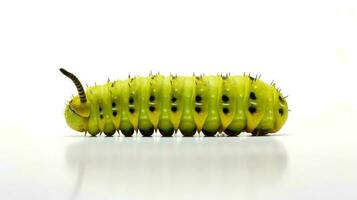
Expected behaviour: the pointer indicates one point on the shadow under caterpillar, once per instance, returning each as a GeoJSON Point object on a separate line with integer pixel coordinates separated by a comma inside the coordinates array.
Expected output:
{"type": "Point", "coordinates": [208, 104]}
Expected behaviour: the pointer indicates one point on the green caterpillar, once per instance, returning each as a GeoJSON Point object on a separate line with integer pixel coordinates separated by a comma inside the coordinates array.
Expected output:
{"type": "Point", "coordinates": [210, 104]}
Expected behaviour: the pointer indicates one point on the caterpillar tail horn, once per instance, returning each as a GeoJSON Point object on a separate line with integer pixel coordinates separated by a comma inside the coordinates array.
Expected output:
{"type": "Point", "coordinates": [77, 83]}
{"type": "Point", "coordinates": [79, 104]}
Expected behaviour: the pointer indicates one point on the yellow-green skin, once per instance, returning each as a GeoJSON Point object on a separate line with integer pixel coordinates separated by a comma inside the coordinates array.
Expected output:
{"type": "Point", "coordinates": [210, 104]}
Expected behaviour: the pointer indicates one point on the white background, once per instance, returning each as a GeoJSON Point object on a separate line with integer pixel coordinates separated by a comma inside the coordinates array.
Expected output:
{"type": "Point", "coordinates": [309, 47]}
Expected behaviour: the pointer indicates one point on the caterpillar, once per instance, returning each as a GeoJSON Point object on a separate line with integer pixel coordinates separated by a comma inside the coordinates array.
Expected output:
{"type": "Point", "coordinates": [207, 104]}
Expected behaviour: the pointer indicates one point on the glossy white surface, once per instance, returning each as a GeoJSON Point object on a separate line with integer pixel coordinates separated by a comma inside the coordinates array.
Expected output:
{"type": "Point", "coordinates": [272, 167]}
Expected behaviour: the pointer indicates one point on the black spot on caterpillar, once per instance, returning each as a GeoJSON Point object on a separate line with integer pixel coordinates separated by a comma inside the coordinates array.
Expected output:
{"type": "Point", "coordinates": [208, 104]}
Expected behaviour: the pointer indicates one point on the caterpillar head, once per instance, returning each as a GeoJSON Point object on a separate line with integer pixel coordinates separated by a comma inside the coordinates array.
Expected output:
{"type": "Point", "coordinates": [268, 109]}
{"type": "Point", "coordinates": [78, 110]}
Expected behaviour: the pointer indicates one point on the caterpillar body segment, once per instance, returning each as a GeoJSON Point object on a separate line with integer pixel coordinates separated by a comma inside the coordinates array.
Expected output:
{"type": "Point", "coordinates": [190, 104]}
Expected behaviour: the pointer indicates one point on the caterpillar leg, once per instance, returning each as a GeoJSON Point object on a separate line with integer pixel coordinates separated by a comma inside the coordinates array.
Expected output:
{"type": "Point", "coordinates": [109, 133]}
{"type": "Point", "coordinates": [211, 127]}
{"type": "Point", "coordinates": [258, 132]}
{"type": "Point", "coordinates": [126, 128]}
{"type": "Point", "coordinates": [188, 128]}
{"type": "Point", "coordinates": [166, 128]}
{"type": "Point", "coordinates": [109, 129]}
{"type": "Point", "coordinates": [231, 132]}
{"type": "Point", "coordinates": [235, 128]}
{"type": "Point", "coordinates": [146, 128]}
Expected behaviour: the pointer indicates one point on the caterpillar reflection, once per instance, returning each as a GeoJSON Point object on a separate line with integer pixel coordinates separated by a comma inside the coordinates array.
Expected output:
{"type": "Point", "coordinates": [208, 104]}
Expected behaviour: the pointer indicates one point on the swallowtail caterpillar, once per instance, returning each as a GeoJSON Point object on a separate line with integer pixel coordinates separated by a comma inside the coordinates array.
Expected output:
{"type": "Point", "coordinates": [208, 104]}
